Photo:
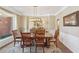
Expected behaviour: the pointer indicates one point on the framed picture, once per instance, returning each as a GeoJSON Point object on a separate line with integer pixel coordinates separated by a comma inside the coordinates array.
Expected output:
{"type": "Point", "coordinates": [71, 19]}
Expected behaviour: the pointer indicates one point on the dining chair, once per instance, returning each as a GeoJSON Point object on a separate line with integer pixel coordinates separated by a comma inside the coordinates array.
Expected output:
{"type": "Point", "coordinates": [17, 36]}
{"type": "Point", "coordinates": [40, 38]}
{"type": "Point", "coordinates": [39, 42]}
{"type": "Point", "coordinates": [40, 31]}
{"type": "Point", "coordinates": [55, 38]}
{"type": "Point", "coordinates": [26, 40]}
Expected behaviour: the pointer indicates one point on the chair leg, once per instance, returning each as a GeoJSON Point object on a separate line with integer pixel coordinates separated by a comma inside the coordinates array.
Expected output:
{"type": "Point", "coordinates": [23, 49]}
{"type": "Point", "coordinates": [14, 43]}
{"type": "Point", "coordinates": [20, 43]}
{"type": "Point", "coordinates": [36, 49]}
{"type": "Point", "coordinates": [30, 49]}
{"type": "Point", "coordinates": [55, 43]}
{"type": "Point", "coordinates": [43, 50]}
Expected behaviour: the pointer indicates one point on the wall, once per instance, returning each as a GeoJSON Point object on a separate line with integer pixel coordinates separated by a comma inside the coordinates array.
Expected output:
{"type": "Point", "coordinates": [20, 22]}
{"type": "Point", "coordinates": [52, 24]}
{"type": "Point", "coordinates": [69, 35]}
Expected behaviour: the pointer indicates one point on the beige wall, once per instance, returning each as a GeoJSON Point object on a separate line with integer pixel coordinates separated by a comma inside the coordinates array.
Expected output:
{"type": "Point", "coordinates": [53, 22]}
{"type": "Point", "coordinates": [20, 21]}
{"type": "Point", "coordinates": [70, 30]}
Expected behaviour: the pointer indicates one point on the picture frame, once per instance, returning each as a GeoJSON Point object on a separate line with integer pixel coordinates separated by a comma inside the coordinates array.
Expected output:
{"type": "Point", "coordinates": [71, 19]}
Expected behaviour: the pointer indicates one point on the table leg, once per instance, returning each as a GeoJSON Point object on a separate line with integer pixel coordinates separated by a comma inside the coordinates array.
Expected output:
{"type": "Point", "coordinates": [47, 43]}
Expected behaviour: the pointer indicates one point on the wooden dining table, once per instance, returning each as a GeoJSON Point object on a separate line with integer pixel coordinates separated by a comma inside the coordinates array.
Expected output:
{"type": "Point", "coordinates": [47, 38]}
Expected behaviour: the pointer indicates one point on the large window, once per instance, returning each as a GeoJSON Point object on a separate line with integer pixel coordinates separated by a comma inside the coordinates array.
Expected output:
{"type": "Point", "coordinates": [5, 26]}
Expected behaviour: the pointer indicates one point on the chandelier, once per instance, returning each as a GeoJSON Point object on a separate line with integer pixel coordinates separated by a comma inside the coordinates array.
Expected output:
{"type": "Point", "coordinates": [37, 20]}
{"type": "Point", "coordinates": [35, 10]}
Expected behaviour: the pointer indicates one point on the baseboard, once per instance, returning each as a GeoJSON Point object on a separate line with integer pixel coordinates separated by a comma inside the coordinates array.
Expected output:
{"type": "Point", "coordinates": [70, 41]}
{"type": "Point", "coordinates": [64, 48]}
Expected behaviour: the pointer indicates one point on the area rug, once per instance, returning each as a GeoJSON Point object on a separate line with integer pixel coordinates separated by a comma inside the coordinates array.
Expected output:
{"type": "Point", "coordinates": [18, 49]}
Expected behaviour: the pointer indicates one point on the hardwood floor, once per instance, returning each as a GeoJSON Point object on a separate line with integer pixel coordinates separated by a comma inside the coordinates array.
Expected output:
{"type": "Point", "coordinates": [63, 48]}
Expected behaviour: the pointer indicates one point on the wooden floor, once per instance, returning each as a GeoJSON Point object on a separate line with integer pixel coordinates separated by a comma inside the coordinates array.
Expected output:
{"type": "Point", "coordinates": [63, 48]}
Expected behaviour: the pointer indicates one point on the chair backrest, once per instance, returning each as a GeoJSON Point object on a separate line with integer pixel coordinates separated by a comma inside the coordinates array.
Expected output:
{"type": "Point", "coordinates": [16, 34]}
{"type": "Point", "coordinates": [40, 38]}
{"type": "Point", "coordinates": [40, 34]}
{"type": "Point", "coordinates": [40, 31]}
{"type": "Point", "coordinates": [26, 37]}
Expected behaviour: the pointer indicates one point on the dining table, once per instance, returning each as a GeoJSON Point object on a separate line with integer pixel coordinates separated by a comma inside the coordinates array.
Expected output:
{"type": "Point", "coordinates": [47, 38]}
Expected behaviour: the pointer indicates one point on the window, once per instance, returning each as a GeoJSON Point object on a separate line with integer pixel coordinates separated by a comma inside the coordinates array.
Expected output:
{"type": "Point", "coordinates": [5, 27]}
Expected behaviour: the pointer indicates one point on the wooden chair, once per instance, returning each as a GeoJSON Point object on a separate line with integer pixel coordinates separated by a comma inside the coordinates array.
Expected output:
{"type": "Point", "coordinates": [40, 31]}
{"type": "Point", "coordinates": [56, 37]}
{"type": "Point", "coordinates": [17, 36]}
{"type": "Point", "coordinates": [40, 34]}
{"type": "Point", "coordinates": [26, 40]}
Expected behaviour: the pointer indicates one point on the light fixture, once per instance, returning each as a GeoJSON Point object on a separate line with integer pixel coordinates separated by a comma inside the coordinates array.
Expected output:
{"type": "Point", "coordinates": [36, 12]}
{"type": "Point", "coordinates": [37, 20]}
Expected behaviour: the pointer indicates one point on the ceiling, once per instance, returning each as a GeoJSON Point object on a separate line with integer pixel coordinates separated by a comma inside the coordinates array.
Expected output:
{"type": "Point", "coordinates": [30, 10]}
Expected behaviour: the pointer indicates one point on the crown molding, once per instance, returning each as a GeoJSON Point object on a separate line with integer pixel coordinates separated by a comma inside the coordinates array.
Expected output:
{"type": "Point", "coordinates": [10, 10]}
{"type": "Point", "coordinates": [39, 15]}
{"type": "Point", "coordinates": [14, 11]}
{"type": "Point", "coordinates": [61, 10]}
